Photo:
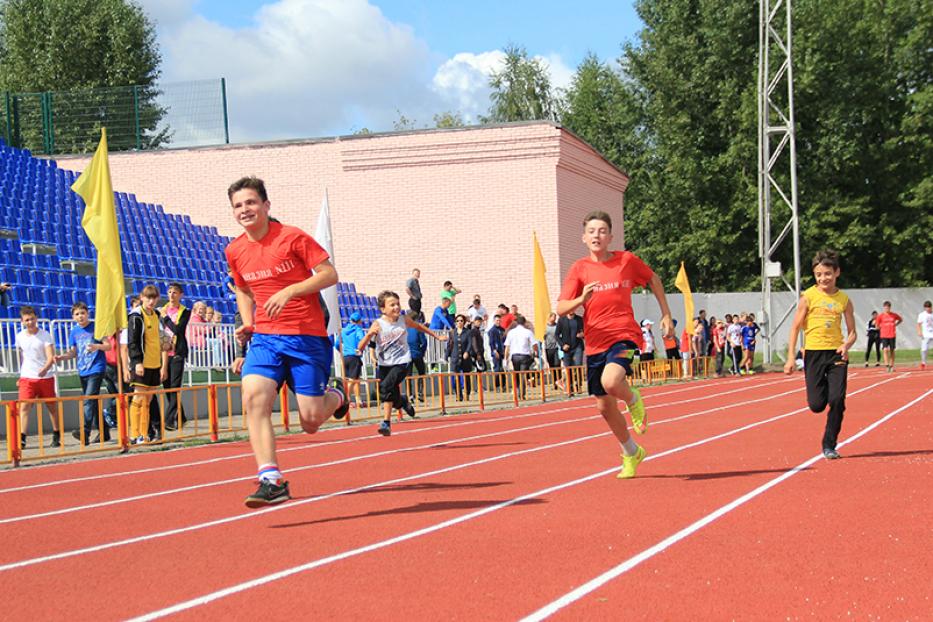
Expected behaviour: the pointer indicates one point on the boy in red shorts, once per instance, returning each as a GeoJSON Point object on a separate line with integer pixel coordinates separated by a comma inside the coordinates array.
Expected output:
{"type": "Point", "coordinates": [283, 322]}
{"type": "Point", "coordinates": [36, 378]}
{"type": "Point", "coordinates": [602, 284]}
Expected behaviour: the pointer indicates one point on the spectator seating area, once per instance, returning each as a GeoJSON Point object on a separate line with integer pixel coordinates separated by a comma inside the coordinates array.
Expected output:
{"type": "Point", "coordinates": [49, 260]}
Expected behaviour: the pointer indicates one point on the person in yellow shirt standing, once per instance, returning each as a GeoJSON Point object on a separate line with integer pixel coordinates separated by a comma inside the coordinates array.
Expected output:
{"type": "Point", "coordinates": [148, 360]}
{"type": "Point", "coordinates": [826, 356]}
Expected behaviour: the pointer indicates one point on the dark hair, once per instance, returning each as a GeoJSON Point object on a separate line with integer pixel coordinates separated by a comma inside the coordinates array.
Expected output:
{"type": "Point", "coordinates": [504, 306]}
{"type": "Point", "coordinates": [598, 215]}
{"type": "Point", "coordinates": [383, 296]}
{"type": "Point", "coordinates": [520, 319]}
{"type": "Point", "coordinates": [149, 291]}
{"type": "Point", "coordinates": [448, 283]}
{"type": "Point", "coordinates": [927, 303]}
{"type": "Point", "coordinates": [134, 299]}
{"type": "Point", "coordinates": [886, 303]}
{"type": "Point", "coordinates": [79, 305]}
{"type": "Point", "coordinates": [177, 286]}
{"type": "Point", "coordinates": [248, 183]}
{"type": "Point", "coordinates": [460, 316]}
{"type": "Point", "coordinates": [826, 257]}
{"type": "Point", "coordinates": [26, 310]}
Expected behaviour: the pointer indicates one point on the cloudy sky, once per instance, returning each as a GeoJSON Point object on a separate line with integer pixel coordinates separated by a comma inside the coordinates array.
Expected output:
{"type": "Point", "coordinates": [308, 68]}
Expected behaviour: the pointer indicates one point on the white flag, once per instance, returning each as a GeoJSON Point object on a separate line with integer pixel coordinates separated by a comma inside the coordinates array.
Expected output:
{"type": "Point", "coordinates": [324, 237]}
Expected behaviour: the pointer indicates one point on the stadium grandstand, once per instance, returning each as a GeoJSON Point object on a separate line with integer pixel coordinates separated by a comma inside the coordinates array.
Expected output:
{"type": "Point", "coordinates": [49, 261]}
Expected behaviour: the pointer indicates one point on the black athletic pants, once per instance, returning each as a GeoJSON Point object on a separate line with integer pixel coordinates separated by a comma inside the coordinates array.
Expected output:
{"type": "Point", "coordinates": [176, 373]}
{"type": "Point", "coordinates": [417, 365]}
{"type": "Point", "coordinates": [827, 375]}
{"type": "Point", "coordinates": [873, 340]}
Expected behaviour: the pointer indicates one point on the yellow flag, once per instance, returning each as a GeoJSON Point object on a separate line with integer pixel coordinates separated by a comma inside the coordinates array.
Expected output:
{"type": "Point", "coordinates": [100, 224]}
{"type": "Point", "coordinates": [684, 286]}
{"type": "Point", "coordinates": [541, 299]}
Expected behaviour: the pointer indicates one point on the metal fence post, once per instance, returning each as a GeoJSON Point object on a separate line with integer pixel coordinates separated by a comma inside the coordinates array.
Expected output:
{"type": "Point", "coordinates": [223, 96]}
{"type": "Point", "coordinates": [212, 411]}
{"type": "Point", "coordinates": [14, 451]}
{"type": "Point", "coordinates": [139, 138]}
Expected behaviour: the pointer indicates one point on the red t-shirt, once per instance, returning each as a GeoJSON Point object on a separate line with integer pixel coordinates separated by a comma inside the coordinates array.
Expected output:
{"type": "Point", "coordinates": [506, 320]}
{"type": "Point", "coordinates": [607, 316]}
{"type": "Point", "coordinates": [286, 255]}
{"type": "Point", "coordinates": [887, 324]}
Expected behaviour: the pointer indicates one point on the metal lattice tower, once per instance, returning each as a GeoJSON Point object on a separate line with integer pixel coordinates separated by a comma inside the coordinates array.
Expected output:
{"type": "Point", "coordinates": [777, 152]}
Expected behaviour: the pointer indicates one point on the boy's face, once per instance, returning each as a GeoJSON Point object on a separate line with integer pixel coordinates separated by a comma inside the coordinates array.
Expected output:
{"type": "Point", "coordinates": [31, 322]}
{"type": "Point", "coordinates": [174, 295]}
{"type": "Point", "coordinates": [886, 308]}
{"type": "Point", "coordinates": [825, 276]}
{"type": "Point", "coordinates": [80, 317]}
{"type": "Point", "coordinates": [149, 302]}
{"type": "Point", "coordinates": [391, 308]}
{"type": "Point", "coordinates": [249, 209]}
{"type": "Point", "coordinates": [597, 236]}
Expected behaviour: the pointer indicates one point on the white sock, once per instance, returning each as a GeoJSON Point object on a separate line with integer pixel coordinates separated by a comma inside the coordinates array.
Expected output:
{"type": "Point", "coordinates": [270, 473]}
{"type": "Point", "coordinates": [630, 447]}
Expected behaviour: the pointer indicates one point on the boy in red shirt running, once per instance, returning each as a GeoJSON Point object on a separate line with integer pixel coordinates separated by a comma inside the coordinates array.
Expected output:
{"type": "Point", "coordinates": [887, 322]}
{"type": "Point", "coordinates": [602, 283]}
{"type": "Point", "coordinates": [284, 325]}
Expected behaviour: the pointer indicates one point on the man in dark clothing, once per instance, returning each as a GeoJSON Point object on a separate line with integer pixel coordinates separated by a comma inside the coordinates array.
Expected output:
{"type": "Point", "coordinates": [497, 350]}
{"type": "Point", "coordinates": [175, 318]}
{"type": "Point", "coordinates": [570, 342]}
{"type": "Point", "coordinates": [417, 344]}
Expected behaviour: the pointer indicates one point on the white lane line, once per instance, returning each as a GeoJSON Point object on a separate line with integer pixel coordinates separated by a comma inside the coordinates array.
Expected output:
{"type": "Point", "coordinates": [389, 452]}
{"type": "Point", "coordinates": [356, 439]}
{"type": "Point", "coordinates": [207, 598]}
{"type": "Point", "coordinates": [238, 517]}
{"type": "Point", "coordinates": [661, 546]}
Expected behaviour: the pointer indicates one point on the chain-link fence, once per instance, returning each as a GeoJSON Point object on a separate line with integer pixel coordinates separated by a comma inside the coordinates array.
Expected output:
{"type": "Point", "coordinates": [183, 114]}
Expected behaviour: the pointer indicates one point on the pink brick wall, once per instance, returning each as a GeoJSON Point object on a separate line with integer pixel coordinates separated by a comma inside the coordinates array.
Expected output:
{"type": "Point", "coordinates": [459, 204]}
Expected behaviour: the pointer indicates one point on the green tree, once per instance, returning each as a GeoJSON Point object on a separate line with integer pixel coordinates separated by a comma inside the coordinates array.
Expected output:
{"type": "Point", "coordinates": [76, 46]}
{"type": "Point", "coordinates": [521, 91]}
{"type": "Point", "coordinates": [680, 116]}
{"type": "Point", "coordinates": [448, 120]}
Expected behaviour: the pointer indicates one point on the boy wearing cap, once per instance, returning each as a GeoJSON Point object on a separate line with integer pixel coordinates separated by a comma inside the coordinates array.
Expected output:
{"type": "Point", "coordinates": [350, 338]}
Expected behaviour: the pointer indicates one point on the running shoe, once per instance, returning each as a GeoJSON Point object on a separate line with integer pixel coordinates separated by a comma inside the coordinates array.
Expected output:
{"type": "Point", "coordinates": [409, 408]}
{"type": "Point", "coordinates": [344, 408]}
{"type": "Point", "coordinates": [831, 454]}
{"type": "Point", "coordinates": [268, 493]}
{"type": "Point", "coordinates": [639, 416]}
{"type": "Point", "coordinates": [56, 440]}
{"type": "Point", "coordinates": [385, 428]}
{"type": "Point", "coordinates": [630, 463]}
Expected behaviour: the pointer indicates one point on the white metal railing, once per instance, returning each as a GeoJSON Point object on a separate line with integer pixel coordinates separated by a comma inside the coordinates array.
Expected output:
{"type": "Point", "coordinates": [211, 346]}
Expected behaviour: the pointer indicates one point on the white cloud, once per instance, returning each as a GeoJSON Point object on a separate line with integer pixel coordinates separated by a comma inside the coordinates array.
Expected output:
{"type": "Point", "coordinates": [306, 68]}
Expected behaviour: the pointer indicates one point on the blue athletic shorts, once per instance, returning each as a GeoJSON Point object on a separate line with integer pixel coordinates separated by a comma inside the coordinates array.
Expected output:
{"type": "Point", "coordinates": [620, 353]}
{"type": "Point", "coordinates": [303, 361]}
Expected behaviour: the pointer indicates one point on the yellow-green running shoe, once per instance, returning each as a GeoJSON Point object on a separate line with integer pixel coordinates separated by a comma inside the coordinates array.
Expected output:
{"type": "Point", "coordinates": [630, 463]}
{"type": "Point", "coordinates": [639, 416]}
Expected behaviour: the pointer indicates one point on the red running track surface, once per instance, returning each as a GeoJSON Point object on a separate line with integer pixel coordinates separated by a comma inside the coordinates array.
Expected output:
{"type": "Point", "coordinates": [504, 515]}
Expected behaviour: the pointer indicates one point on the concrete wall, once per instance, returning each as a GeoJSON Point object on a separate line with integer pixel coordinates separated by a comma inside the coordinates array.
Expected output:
{"type": "Point", "coordinates": [459, 204]}
{"type": "Point", "coordinates": [907, 302]}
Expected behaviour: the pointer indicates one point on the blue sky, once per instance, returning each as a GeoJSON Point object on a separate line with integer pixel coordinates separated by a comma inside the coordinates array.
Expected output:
{"type": "Point", "coordinates": [305, 68]}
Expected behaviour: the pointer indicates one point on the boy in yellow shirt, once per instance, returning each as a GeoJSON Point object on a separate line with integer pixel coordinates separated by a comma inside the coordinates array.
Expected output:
{"type": "Point", "coordinates": [826, 356]}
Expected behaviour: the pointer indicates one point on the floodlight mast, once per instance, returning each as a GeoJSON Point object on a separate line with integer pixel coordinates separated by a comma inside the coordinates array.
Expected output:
{"type": "Point", "coordinates": [776, 128]}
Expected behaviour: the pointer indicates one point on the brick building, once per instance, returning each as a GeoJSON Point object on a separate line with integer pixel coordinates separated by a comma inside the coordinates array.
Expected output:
{"type": "Point", "coordinates": [458, 204]}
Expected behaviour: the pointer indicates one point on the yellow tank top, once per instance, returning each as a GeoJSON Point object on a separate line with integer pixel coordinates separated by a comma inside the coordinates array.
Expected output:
{"type": "Point", "coordinates": [152, 357]}
{"type": "Point", "coordinates": [823, 328]}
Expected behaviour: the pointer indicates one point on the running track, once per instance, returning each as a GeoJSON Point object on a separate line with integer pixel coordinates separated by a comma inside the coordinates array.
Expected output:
{"type": "Point", "coordinates": [508, 515]}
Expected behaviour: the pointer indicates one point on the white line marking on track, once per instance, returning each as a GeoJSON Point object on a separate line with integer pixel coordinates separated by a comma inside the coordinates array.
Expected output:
{"type": "Point", "coordinates": [207, 598]}
{"type": "Point", "coordinates": [355, 439]}
{"type": "Point", "coordinates": [648, 553]}
{"type": "Point", "coordinates": [389, 452]}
